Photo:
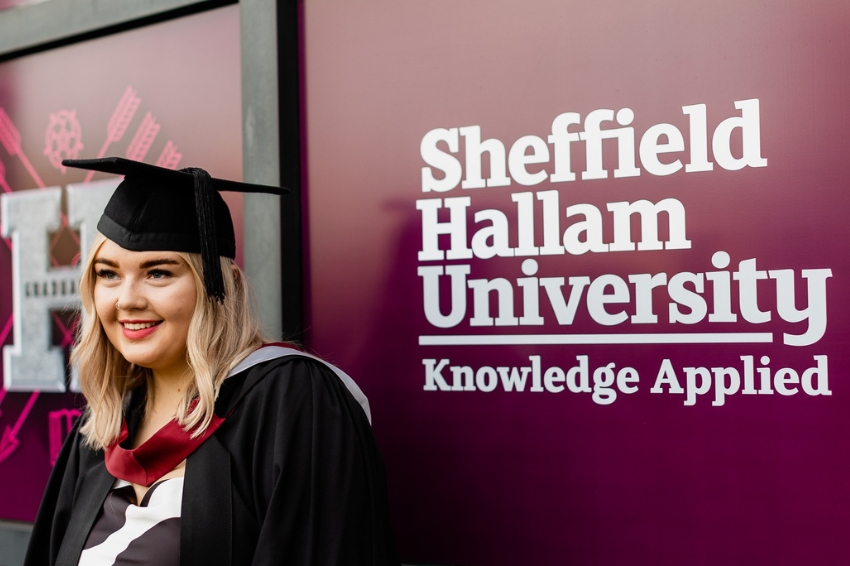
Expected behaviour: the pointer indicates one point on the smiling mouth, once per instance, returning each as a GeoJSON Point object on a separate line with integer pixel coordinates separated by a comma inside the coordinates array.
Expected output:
{"type": "Point", "coordinates": [139, 325]}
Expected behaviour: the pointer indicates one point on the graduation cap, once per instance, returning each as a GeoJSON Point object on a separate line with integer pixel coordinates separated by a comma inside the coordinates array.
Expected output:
{"type": "Point", "coordinates": [159, 209]}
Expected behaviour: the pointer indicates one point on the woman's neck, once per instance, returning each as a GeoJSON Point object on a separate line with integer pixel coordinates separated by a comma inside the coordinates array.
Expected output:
{"type": "Point", "coordinates": [166, 387]}
{"type": "Point", "coordinates": [165, 392]}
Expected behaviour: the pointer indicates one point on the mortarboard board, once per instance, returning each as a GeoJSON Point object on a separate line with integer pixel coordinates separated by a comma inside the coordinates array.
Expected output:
{"type": "Point", "coordinates": [159, 209]}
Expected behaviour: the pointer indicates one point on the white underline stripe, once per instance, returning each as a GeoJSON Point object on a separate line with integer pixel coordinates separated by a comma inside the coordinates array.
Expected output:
{"type": "Point", "coordinates": [526, 339]}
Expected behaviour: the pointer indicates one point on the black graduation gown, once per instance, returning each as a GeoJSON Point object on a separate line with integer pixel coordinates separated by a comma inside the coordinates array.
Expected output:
{"type": "Point", "coordinates": [293, 476]}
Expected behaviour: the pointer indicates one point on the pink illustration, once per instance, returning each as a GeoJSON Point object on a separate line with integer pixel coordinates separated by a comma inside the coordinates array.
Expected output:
{"type": "Point", "coordinates": [10, 138]}
{"type": "Point", "coordinates": [9, 441]}
{"type": "Point", "coordinates": [62, 228]}
{"type": "Point", "coordinates": [2, 396]}
{"type": "Point", "coordinates": [170, 157]}
{"type": "Point", "coordinates": [6, 329]}
{"type": "Point", "coordinates": [3, 184]}
{"type": "Point", "coordinates": [143, 139]}
{"type": "Point", "coordinates": [67, 333]}
{"type": "Point", "coordinates": [59, 424]}
{"type": "Point", "coordinates": [62, 139]}
{"type": "Point", "coordinates": [119, 122]}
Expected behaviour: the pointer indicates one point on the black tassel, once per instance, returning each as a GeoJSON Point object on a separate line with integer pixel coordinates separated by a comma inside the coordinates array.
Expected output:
{"type": "Point", "coordinates": [205, 208]}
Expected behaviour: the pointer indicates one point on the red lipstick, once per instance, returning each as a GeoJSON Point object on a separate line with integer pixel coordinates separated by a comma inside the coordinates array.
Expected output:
{"type": "Point", "coordinates": [140, 333]}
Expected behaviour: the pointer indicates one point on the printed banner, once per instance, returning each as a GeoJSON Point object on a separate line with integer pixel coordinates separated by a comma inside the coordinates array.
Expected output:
{"type": "Point", "coordinates": [166, 94]}
{"type": "Point", "coordinates": [588, 262]}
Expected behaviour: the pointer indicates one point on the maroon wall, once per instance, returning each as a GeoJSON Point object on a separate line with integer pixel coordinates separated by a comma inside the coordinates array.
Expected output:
{"type": "Point", "coordinates": [542, 477]}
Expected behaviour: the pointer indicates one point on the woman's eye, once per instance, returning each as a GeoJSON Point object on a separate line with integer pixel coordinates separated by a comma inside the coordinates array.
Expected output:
{"type": "Point", "coordinates": [159, 274]}
{"type": "Point", "coordinates": [107, 274]}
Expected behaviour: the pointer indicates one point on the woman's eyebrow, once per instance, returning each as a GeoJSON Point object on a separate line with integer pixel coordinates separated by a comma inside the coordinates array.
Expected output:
{"type": "Point", "coordinates": [146, 265]}
{"type": "Point", "coordinates": [104, 261]}
{"type": "Point", "coordinates": [162, 261]}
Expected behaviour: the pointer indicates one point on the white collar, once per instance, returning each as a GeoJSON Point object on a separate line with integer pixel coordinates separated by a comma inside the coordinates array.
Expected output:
{"type": "Point", "coordinates": [272, 352]}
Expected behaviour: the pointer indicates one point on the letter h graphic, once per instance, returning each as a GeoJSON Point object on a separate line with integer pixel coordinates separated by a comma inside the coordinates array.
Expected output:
{"type": "Point", "coordinates": [31, 362]}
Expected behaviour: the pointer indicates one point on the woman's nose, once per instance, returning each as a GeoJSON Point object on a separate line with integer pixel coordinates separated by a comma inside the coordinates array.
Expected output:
{"type": "Point", "coordinates": [130, 298]}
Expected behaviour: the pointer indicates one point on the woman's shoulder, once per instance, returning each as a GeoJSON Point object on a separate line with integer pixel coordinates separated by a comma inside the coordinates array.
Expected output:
{"type": "Point", "coordinates": [283, 375]}
{"type": "Point", "coordinates": [274, 367]}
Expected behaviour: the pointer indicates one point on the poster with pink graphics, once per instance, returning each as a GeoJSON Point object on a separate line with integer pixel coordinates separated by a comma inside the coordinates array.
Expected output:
{"type": "Point", "coordinates": [589, 260]}
{"type": "Point", "coordinates": [143, 94]}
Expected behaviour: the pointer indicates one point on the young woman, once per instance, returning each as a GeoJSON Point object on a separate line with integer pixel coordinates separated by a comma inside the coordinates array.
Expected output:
{"type": "Point", "coordinates": [201, 444]}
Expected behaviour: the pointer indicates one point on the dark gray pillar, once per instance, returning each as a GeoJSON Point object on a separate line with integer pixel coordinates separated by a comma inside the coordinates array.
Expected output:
{"type": "Point", "coordinates": [272, 155]}
{"type": "Point", "coordinates": [261, 157]}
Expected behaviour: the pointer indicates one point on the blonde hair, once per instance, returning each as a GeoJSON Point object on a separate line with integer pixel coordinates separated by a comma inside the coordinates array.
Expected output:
{"type": "Point", "coordinates": [220, 336]}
